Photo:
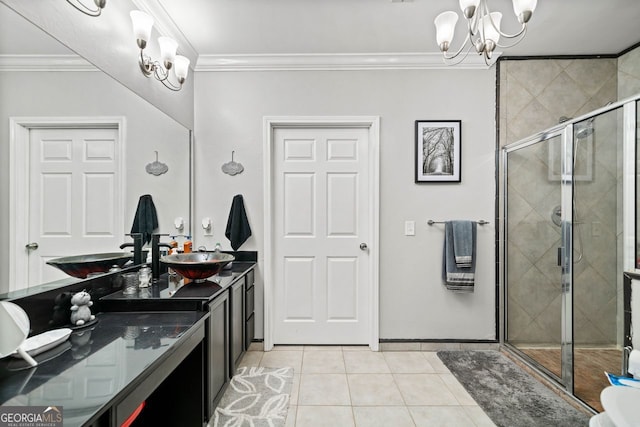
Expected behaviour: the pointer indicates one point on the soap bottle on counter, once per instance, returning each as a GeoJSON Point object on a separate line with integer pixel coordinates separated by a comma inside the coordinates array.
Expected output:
{"type": "Point", "coordinates": [187, 245]}
{"type": "Point", "coordinates": [174, 244]}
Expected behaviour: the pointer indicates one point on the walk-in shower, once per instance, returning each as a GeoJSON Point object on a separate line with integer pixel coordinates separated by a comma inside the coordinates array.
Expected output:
{"type": "Point", "coordinates": [562, 244]}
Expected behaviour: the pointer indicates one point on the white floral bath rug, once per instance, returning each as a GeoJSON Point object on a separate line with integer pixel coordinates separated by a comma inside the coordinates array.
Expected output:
{"type": "Point", "coordinates": [256, 397]}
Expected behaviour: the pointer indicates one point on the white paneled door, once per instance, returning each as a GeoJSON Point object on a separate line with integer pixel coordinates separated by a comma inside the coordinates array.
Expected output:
{"type": "Point", "coordinates": [321, 232]}
{"type": "Point", "coordinates": [74, 203]}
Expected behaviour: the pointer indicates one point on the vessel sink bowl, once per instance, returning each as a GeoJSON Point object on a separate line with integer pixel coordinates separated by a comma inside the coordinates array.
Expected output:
{"type": "Point", "coordinates": [197, 265]}
{"type": "Point", "coordinates": [81, 266]}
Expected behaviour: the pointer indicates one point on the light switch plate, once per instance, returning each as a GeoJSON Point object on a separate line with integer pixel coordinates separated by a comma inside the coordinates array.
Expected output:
{"type": "Point", "coordinates": [409, 228]}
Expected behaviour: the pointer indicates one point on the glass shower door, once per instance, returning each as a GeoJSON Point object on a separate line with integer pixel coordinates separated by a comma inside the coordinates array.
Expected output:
{"type": "Point", "coordinates": [597, 244]}
{"type": "Point", "coordinates": [534, 306]}
{"type": "Point", "coordinates": [568, 212]}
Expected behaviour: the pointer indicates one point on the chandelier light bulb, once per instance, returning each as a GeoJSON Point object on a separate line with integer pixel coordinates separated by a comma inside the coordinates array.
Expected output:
{"type": "Point", "coordinates": [181, 68]}
{"type": "Point", "coordinates": [469, 7]}
{"type": "Point", "coordinates": [524, 9]}
{"type": "Point", "coordinates": [445, 26]}
{"type": "Point", "coordinates": [168, 47]}
{"type": "Point", "coordinates": [483, 29]}
{"type": "Point", "coordinates": [490, 28]}
{"type": "Point", "coordinates": [142, 24]}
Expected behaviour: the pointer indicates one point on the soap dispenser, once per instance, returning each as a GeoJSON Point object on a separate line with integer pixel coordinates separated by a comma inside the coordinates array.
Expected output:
{"type": "Point", "coordinates": [187, 245]}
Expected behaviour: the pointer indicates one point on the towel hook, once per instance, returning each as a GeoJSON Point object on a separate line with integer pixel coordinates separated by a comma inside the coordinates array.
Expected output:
{"type": "Point", "coordinates": [156, 168]}
{"type": "Point", "coordinates": [232, 167]}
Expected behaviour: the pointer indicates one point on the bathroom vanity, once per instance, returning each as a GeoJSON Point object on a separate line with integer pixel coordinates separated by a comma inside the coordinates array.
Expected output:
{"type": "Point", "coordinates": [172, 345]}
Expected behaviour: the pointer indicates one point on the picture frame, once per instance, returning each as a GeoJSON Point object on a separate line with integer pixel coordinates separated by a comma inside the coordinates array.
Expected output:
{"type": "Point", "coordinates": [438, 151]}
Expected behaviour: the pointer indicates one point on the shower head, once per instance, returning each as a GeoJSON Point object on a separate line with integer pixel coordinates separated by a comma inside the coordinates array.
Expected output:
{"type": "Point", "coordinates": [584, 129]}
{"type": "Point", "coordinates": [581, 129]}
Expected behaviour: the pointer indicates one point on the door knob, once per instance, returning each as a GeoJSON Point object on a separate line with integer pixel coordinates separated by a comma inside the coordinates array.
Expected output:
{"type": "Point", "coordinates": [363, 246]}
{"type": "Point", "coordinates": [31, 246]}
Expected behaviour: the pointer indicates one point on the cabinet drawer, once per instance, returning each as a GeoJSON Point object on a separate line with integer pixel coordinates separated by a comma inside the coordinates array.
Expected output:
{"type": "Point", "coordinates": [249, 330]}
{"type": "Point", "coordinates": [249, 303]}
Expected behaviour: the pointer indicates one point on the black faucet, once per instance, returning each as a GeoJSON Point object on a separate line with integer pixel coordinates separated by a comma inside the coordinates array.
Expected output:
{"type": "Point", "coordinates": [137, 247]}
{"type": "Point", "coordinates": [155, 254]}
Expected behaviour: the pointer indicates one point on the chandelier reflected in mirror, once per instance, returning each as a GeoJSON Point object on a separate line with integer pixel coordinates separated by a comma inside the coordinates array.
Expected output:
{"type": "Point", "coordinates": [483, 27]}
{"type": "Point", "coordinates": [79, 5]}
{"type": "Point", "coordinates": [142, 25]}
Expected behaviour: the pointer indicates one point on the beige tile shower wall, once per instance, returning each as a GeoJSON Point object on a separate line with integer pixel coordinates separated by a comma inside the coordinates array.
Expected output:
{"type": "Point", "coordinates": [534, 95]}
{"type": "Point", "coordinates": [629, 74]}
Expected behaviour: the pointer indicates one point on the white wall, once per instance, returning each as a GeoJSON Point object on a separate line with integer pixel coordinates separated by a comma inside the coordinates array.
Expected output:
{"type": "Point", "coordinates": [60, 94]}
{"type": "Point", "coordinates": [229, 107]}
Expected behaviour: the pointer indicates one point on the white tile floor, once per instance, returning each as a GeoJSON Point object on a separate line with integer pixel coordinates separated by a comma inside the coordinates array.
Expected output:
{"type": "Point", "coordinates": [344, 386]}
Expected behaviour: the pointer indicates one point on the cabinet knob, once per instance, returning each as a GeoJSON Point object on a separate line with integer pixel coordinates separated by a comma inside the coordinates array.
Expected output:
{"type": "Point", "coordinates": [363, 246]}
{"type": "Point", "coordinates": [31, 246]}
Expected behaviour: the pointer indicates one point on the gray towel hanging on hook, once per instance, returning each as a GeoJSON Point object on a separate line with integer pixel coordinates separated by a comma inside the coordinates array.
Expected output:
{"type": "Point", "coordinates": [238, 228]}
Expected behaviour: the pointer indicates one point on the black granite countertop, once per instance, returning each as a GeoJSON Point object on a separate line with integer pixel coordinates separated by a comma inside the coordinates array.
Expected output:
{"type": "Point", "coordinates": [98, 364]}
{"type": "Point", "coordinates": [174, 293]}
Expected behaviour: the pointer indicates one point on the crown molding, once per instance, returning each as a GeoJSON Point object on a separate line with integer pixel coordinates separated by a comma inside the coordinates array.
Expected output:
{"type": "Point", "coordinates": [261, 62]}
{"type": "Point", "coordinates": [329, 62]}
{"type": "Point", "coordinates": [45, 63]}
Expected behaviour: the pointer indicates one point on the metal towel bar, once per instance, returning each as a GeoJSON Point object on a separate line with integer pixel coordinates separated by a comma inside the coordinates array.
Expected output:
{"type": "Point", "coordinates": [480, 222]}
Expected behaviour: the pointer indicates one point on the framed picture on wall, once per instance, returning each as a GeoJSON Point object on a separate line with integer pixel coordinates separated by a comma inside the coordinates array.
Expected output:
{"type": "Point", "coordinates": [438, 156]}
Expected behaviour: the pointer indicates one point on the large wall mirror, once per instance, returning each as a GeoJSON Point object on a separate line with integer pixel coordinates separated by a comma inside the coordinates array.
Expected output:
{"type": "Point", "coordinates": [37, 93]}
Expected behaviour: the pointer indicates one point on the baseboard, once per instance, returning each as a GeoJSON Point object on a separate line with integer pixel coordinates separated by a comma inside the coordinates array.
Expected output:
{"type": "Point", "coordinates": [443, 340]}
{"type": "Point", "coordinates": [437, 344]}
{"type": "Point", "coordinates": [388, 344]}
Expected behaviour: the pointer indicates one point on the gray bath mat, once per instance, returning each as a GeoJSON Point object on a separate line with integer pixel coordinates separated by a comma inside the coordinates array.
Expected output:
{"type": "Point", "coordinates": [255, 397]}
{"type": "Point", "coordinates": [510, 396]}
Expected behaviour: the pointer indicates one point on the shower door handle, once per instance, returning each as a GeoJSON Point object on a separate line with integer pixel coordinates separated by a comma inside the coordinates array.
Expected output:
{"type": "Point", "coordinates": [559, 257]}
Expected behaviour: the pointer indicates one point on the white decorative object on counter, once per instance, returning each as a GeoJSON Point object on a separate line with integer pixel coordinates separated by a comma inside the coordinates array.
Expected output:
{"type": "Point", "coordinates": [15, 328]}
{"type": "Point", "coordinates": [80, 311]}
{"type": "Point", "coordinates": [45, 341]}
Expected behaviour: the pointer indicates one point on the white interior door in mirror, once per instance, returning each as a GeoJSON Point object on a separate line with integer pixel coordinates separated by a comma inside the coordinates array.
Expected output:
{"type": "Point", "coordinates": [74, 196]}
{"type": "Point", "coordinates": [321, 211]}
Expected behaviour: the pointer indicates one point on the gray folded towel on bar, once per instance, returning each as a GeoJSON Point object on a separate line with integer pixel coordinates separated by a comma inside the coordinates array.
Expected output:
{"type": "Point", "coordinates": [463, 242]}
{"type": "Point", "coordinates": [455, 277]}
